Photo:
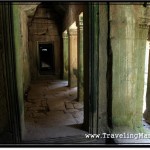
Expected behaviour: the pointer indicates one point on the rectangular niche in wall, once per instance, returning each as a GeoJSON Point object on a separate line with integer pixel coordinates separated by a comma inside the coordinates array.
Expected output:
{"type": "Point", "coordinates": [46, 58]}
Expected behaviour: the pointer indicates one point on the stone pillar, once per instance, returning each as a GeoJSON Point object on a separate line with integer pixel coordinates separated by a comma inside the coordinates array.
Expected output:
{"type": "Point", "coordinates": [65, 55]}
{"type": "Point", "coordinates": [146, 114]}
{"type": "Point", "coordinates": [80, 59]}
{"type": "Point", "coordinates": [128, 36]}
{"type": "Point", "coordinates": [72, 82]}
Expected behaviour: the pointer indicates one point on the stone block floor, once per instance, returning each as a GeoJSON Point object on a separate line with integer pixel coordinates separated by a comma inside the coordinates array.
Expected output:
{"type": "Point", "coordinates": [145, 124]}
{"type": "Point", "coordinates": [140, 141]}
{"type": "Point", "coordinates": [50, 107]}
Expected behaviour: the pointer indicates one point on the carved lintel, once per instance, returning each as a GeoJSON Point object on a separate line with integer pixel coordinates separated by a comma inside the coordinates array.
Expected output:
{"type": "Point", "coordinates": [144, 22]}
{"type": "Point", "coordinates": [143, 26]}
{"type": "Point", "coordinates": [65, 35]}
{"type": "Point", "coordinates": [72, 32]}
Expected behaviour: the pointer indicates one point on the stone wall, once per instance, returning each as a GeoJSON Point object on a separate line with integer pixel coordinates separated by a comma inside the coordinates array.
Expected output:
{"type": "Point", "coordinates": [23, 11]}
{"type": "Point", "coordinates": [19, 60]}
{"type": "Point", "coordinates": [103, 37]}
{"type": "Point", "coordinates": [3, 90]}
{"type": "Point", "coordinates": [24, 48]}
{"type": "Point", "coordinates": [42, 30]}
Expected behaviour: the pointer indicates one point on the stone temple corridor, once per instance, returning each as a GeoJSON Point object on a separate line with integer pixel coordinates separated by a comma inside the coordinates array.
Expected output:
{"type": "Point", "coordinates": [52, 105]}
{"type": "Point", "coordinates": [73, 68]}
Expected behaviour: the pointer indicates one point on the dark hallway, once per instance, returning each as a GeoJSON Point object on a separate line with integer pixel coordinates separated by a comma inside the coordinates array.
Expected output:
{"type": "Point", "coordinates": [74, 72]}
{"type": "Point", "coordinates": [52, 100]}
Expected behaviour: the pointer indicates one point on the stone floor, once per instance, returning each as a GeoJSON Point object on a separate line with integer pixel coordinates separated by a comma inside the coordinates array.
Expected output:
{"type": "Point", "coordinates": [145, 124]}
{"type": "Point", "coordinates": [52, 110]}
{"type": "Point", "coordinates": [138, 141]}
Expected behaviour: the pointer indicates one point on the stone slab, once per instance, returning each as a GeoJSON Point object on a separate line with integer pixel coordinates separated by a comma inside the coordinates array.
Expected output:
{"type": "Point", "coordinates": [78, 114]}
{"type": "Point", "coordinates": [78, 106]}
{"type": "Point", "coordinates": [56, 118]}
{"type": "Point", "coordinates": [56, 105]}
{"type": "Point", "coordinates": [70, 110]}
{"type": "Point", "coordinates": [69, 105]}
{"type": "Point", "coordinates": [79, 120]}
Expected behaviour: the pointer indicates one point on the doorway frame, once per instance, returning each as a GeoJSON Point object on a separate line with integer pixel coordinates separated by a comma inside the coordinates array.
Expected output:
{"type": "Point", "coordinates": [90, 75]}
{"type": "Point", "coordinates": [11, 82]}
{"type": "Point", "coordinates": [38, 55]}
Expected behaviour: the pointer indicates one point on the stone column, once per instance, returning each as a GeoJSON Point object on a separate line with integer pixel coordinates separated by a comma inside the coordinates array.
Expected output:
{"type": "Point", "coordinates": [72, 82]}
{"type": "Point", "coordinates": [146, 114]}
{"type": "Point", "coordinates": [128, 44]}
{"type": "Point", "coordinates": [65, 55]}
{"type": "Point", "coordinates": [80, 59]}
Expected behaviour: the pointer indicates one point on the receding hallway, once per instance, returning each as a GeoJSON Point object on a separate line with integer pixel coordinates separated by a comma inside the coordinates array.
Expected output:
{"type": "Point", "coordinates": [51, 104]}
{"type": "Point", "coordinates": [74, 68]}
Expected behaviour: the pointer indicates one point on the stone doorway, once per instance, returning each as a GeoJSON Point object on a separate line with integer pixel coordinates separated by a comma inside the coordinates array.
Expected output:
{"type": "Point", "coordinates": [17, 87]}
{"type": "Point", "coordinates": [46, 58]}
